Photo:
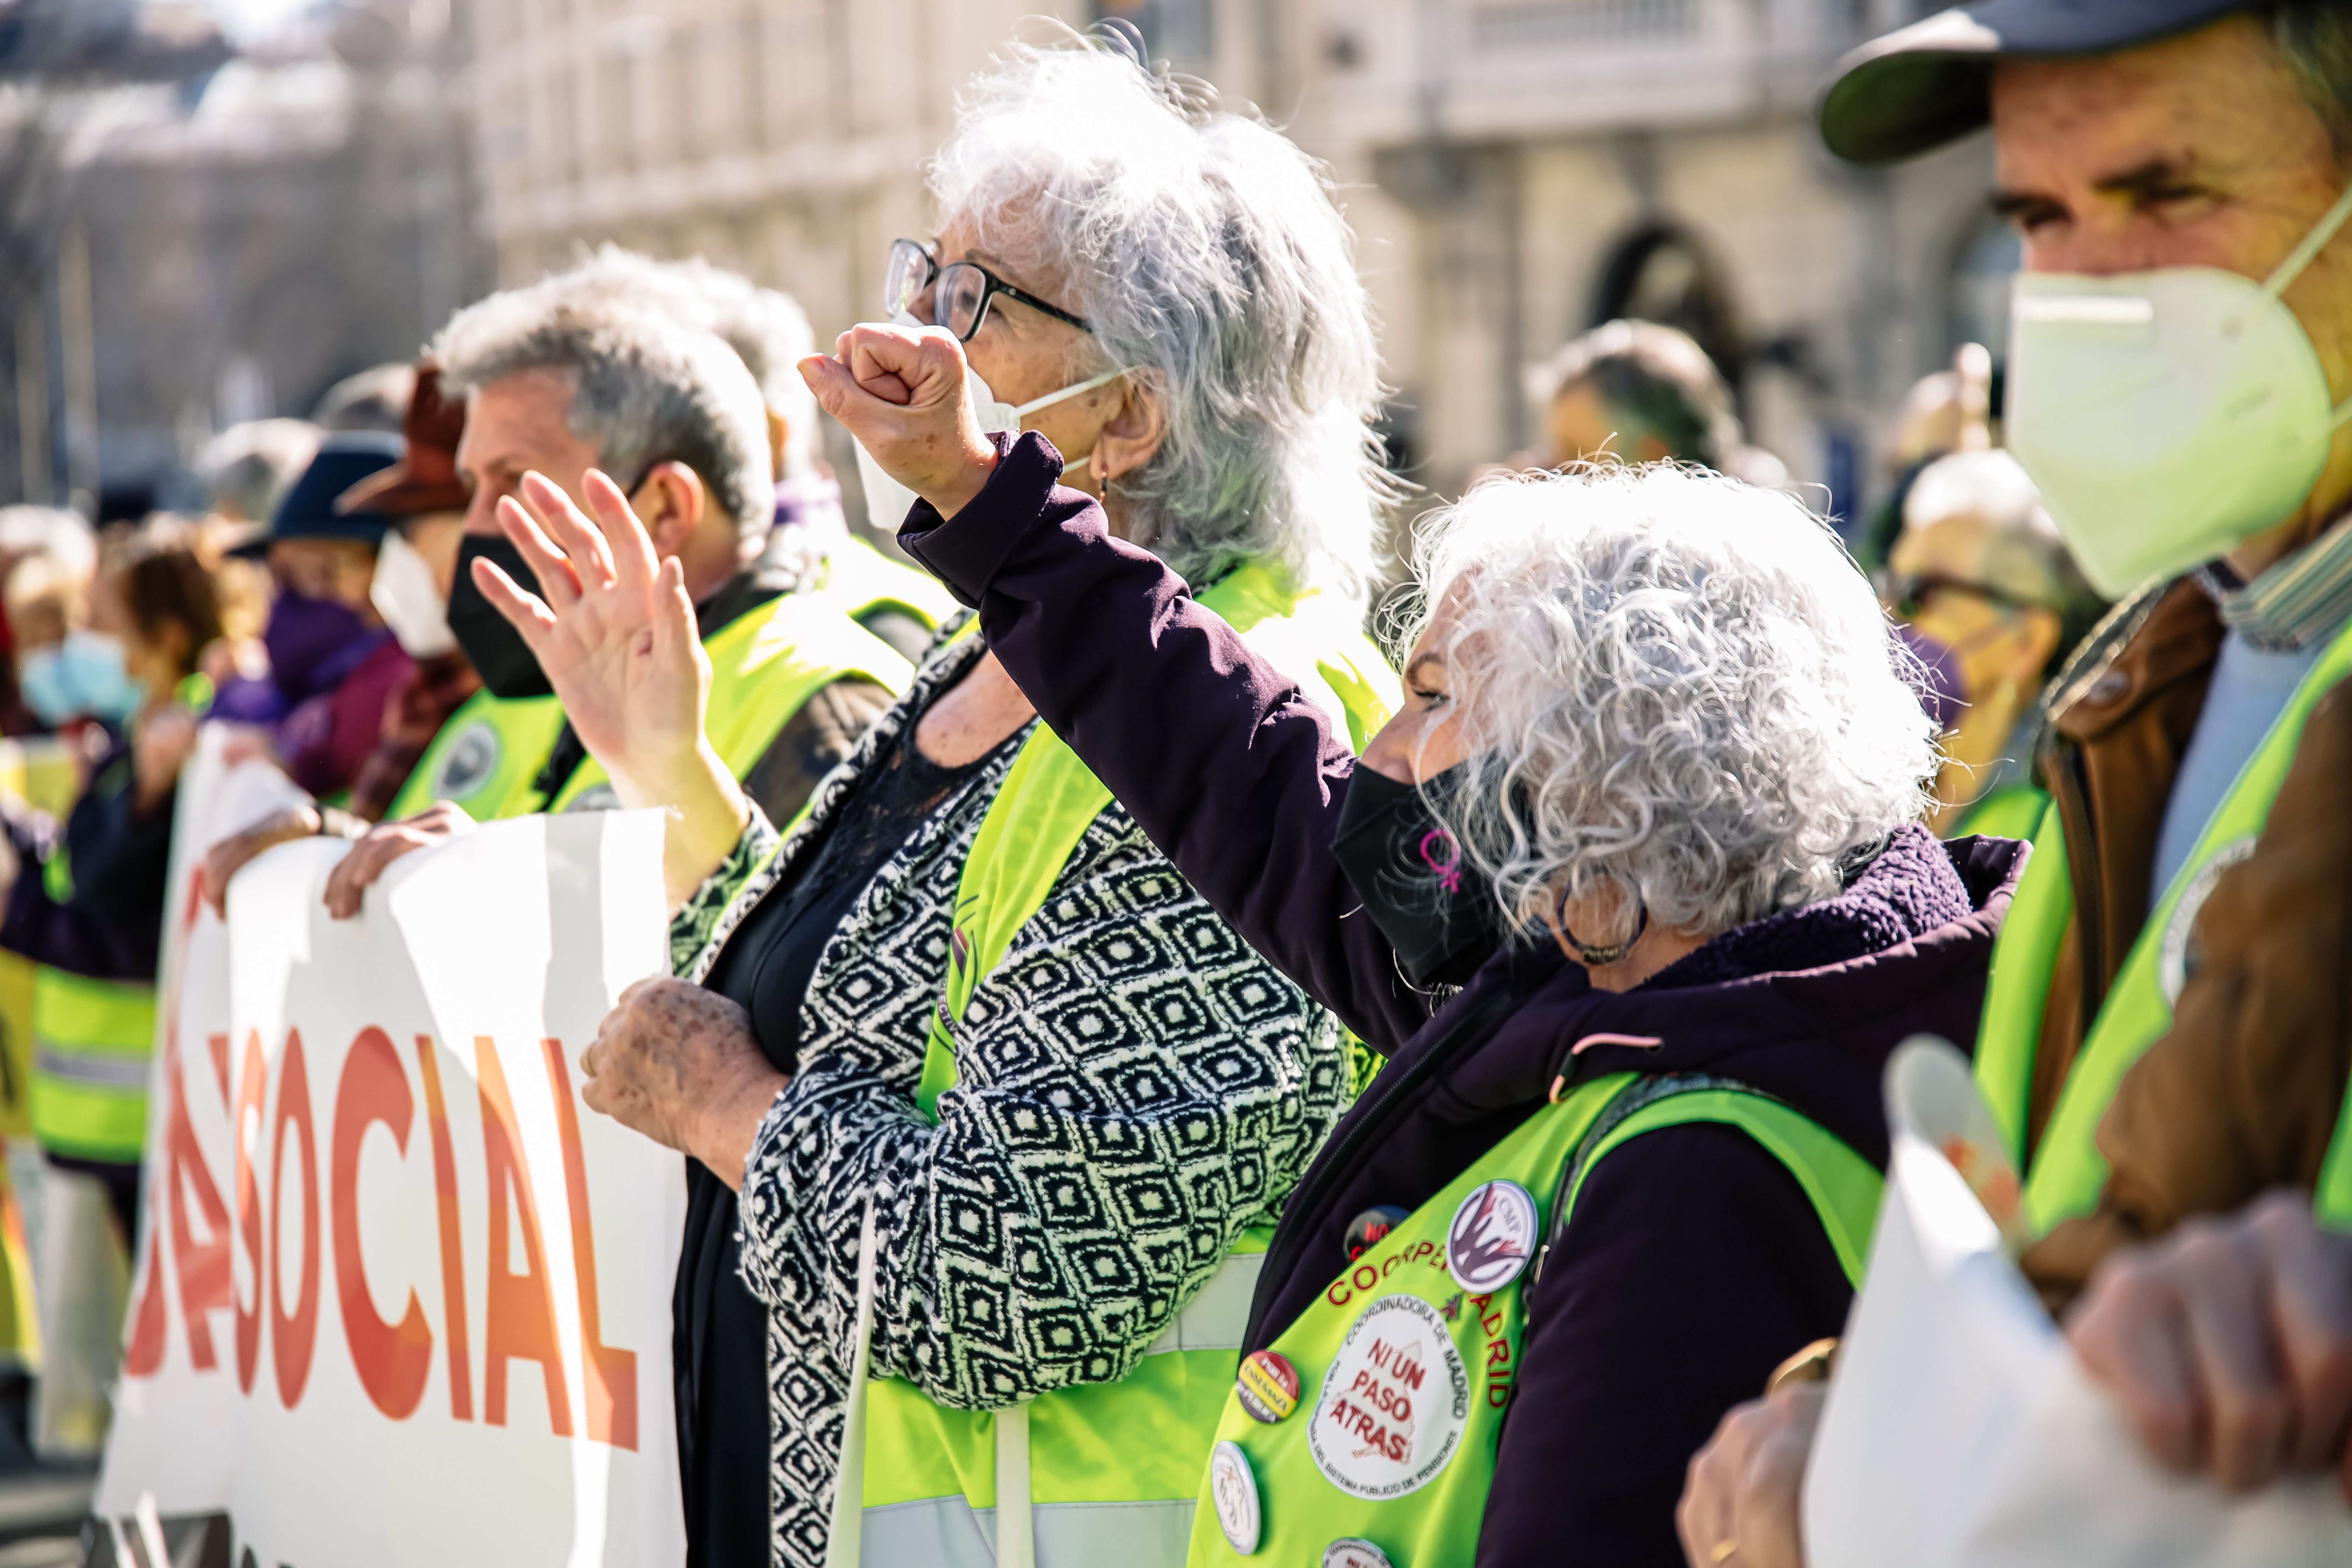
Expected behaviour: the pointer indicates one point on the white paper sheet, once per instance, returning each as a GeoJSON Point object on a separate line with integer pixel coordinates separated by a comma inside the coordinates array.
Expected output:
{"type": "Point", "coordinates": [1959, 1429]}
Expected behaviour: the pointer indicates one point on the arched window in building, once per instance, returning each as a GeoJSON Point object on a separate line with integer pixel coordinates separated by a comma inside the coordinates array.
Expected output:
{"type": "Point", "coordinates": [1661, 272]}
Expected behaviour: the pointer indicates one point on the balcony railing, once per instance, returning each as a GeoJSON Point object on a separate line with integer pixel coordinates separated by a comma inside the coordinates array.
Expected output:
{"type": "Point", "coordinates": [1467, 69]}
{"type": "Point", "coordinates": [1543, 24]}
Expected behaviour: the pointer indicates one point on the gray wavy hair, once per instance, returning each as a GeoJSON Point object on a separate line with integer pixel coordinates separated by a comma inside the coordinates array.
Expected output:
{"type": "Point", "coordinates": [766, 327]}
{"type": "Point", "coordinates": [645, 388]}
{"type": "Point", "coordinates": [1207, 252]}
{"type": "Point", "coordinates": [1673, 685]}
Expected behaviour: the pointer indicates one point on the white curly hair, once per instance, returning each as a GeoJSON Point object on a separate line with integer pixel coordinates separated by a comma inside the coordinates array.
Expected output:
{"type": "Point", "coordinates": [1673, 685]}
{"type": "Point", "coordinates": [1208, 254]}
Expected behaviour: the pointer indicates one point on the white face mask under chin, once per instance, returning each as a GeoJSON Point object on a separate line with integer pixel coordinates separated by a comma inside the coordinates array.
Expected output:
{"type": "Point", "coordinates": [887, 502]}
{"type": "Point", "coordinates": [2168, 416]}
{"type": "Point", "coordinates": [410, 602]}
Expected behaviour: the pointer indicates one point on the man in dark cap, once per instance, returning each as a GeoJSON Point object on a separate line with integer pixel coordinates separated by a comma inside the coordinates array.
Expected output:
{"type": "Point", "coordinates": [2167, 1035]}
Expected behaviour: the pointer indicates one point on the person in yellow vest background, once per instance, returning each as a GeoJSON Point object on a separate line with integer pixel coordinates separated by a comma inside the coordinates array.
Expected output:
{"type": "Point", "coordinates": [87, 906]}
{"type": "Point", "coordinates": [1010, 1107]}
{"type": "Point", "coordinates": [566, 375]}
{"type": "Point", "coordinates": [2168, 1036]}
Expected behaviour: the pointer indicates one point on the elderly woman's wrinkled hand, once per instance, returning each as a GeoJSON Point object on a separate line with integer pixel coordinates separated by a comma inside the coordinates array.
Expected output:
{"type": "Point", "coordinates": [903, 393]}
{"type": "Point", "coordinates": [1740, 1500]}
{"type": "Point", "coordinates": [678, 1064]}
{"type": "Point", "coordinates": [2228, 1345]}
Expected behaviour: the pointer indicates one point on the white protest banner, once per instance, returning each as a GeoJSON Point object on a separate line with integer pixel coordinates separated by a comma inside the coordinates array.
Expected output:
{"type": "Point", "coordinates": [1959, 1429]}
{"type": "Point", "coordinates": [405, 1300]}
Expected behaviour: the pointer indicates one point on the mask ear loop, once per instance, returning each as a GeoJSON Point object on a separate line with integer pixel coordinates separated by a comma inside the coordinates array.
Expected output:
{"type": "Point", "coordinates": [2285, 274]}
{"type": "Point", "coordinates": [1070, 466]}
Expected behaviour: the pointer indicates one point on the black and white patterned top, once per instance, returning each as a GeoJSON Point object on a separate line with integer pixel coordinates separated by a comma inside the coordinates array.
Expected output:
{"type": "Point", "coordinates": [1137, 1087]}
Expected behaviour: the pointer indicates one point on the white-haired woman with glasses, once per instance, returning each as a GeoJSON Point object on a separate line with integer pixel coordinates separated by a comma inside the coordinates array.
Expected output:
{"type": "Point", "coordinates": [1657, 740]}
{"type": "Point", "coordinates": [982, 1098]}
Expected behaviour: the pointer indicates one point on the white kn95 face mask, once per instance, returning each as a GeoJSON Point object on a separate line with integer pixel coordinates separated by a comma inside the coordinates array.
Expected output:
{"type": "Point", "coordinates": [2167, 415]}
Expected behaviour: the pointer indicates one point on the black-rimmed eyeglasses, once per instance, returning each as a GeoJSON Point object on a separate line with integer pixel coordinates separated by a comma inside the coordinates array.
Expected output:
{"type": "Point", "coordinates": [964, 289]}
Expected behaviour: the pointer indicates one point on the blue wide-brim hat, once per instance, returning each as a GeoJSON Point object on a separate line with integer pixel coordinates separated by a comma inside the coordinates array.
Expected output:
{"type": "Point", "coordinates": [307, 510]}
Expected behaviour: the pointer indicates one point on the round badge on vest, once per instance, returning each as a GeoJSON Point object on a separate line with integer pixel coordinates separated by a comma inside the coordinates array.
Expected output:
{"type": "Point", "coordinates": [1492, 1238]}
{"type": "Point", "coordinates": [1371, 1227]}
{"type": "Point", "coordinates": [467, 765]}
{"type": "Point", "coordinates": [1232, 1488]}
{"type": "Point", "coordinates": [1394, 1405]}
{"type": "Point", "coordinates": [2172, 955]}
{"type": "Point", "coordinates": [1353, 1552]}
{"type": "Point", "coordinates": [1269, 1386]}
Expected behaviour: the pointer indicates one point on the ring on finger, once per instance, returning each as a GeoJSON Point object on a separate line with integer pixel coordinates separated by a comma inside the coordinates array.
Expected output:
{"type": "Point", "coordinates": [1724, 1549]}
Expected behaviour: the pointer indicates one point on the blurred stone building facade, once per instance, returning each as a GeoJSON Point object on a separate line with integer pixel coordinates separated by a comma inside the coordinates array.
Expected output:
{"type": "Point", "coordinates": [1519, 170]}
{"type": "Point", "coordinates": [226, 242]}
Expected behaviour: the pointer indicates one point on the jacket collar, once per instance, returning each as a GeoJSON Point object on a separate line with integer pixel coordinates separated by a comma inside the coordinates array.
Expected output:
{"type": "Point", "coordinates": [2147, 645]}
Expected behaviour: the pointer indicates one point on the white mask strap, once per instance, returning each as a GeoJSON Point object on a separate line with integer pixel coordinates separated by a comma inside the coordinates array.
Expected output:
{"type": "Point", "coordinates": [1051, 398]}
{"type": "Point", "coordinates": [2287, 271]}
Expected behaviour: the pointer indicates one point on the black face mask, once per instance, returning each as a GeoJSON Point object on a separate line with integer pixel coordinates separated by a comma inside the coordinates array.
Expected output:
{"type": "Point", "coordinates": [492, 644]}
{"type": "Point", "coordinates": [1436, 909]}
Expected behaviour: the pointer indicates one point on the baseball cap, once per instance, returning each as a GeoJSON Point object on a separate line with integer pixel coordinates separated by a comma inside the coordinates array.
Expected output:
{"type": "Point", "coordinates": [1926, 84]}
{"type": "Point", "coordinates": [426, 478]}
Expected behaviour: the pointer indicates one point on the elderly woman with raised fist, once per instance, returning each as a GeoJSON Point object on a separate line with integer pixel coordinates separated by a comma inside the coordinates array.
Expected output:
{"type": "Point", "coordinates": [982, 1098]}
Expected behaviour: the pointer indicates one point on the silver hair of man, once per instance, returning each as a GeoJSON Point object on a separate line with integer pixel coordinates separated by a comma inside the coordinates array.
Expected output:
{"type": "Point", "coordinates": [645, 388]}
{"type": "Point", "coordinates": [766, 328]}
{"type": "Point", "coordinates": [1208, 254]}
{"type": "Point", "coordinates": [1673, 685]}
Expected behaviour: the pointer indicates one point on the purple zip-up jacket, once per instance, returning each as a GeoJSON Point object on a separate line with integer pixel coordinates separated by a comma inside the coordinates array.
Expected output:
{"type": "Point", "coordinates": [1693, 1263]}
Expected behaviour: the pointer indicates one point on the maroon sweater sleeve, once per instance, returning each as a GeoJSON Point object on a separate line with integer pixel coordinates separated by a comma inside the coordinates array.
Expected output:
{"type": "Point", "coordinates": [1233, 773]}
{"type": "Point", "coordinates": [1696, 1266]}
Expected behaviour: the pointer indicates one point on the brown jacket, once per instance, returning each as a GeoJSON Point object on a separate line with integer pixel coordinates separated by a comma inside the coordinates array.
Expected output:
{"type": "Point", "coordinates": [2243, 1092]}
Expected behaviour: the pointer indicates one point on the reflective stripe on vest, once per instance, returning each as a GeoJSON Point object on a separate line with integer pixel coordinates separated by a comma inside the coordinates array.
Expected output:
{"type": "Point", "coordinates": [1098, 1471]}
{"type": "Point", "coordinates": [2017, 990]}
{"type": "Point", "coordinates": [2068, 1169]}
{"type": "Point", "coordinates": [1322, 1474]}
{"type": "Point", "coordinates": [92, 1044]}
{"type": "Point", "coordinates": [2332, 1199]}
{"type": "Point", "coordinates": [764, 665]}
{"type": "Point", "coordinates": [485, 755]}
{"type": "Point", "coordinates": [861, 580]}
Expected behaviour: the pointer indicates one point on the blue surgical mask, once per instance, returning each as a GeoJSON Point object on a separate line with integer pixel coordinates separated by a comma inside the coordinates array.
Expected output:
{"type": "Point", "coordinates": [80, 677]}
